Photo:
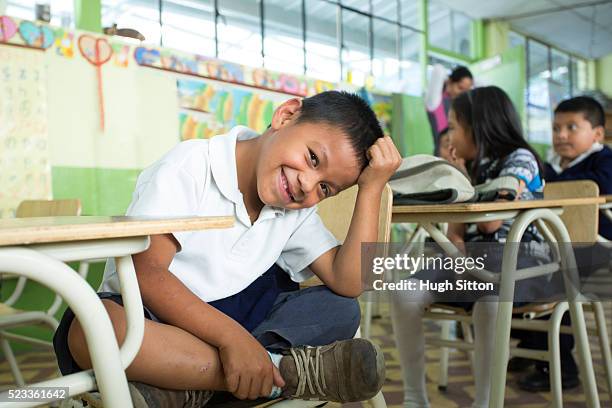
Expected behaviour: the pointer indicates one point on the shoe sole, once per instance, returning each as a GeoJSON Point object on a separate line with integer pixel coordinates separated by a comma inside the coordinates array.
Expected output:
{"type": "Point", "coordinates": [375, 378]}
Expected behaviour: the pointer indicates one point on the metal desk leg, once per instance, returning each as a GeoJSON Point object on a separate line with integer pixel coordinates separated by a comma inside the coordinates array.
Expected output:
{"type": "Point", "coordinates": [502, 329]}
{"type": "Point", "coordinates": [81, 298]}
{"type": "Point", "coordinates": [132, 303]}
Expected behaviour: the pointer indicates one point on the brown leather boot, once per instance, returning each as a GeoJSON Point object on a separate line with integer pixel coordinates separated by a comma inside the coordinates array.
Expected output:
{"type": "Point", "coordinates": [344, 371]}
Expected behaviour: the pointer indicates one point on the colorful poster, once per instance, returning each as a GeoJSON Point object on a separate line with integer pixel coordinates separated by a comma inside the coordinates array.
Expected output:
{"type": "Point", "coordinates": [25, 172]}
{"type": "Point", "coordinates": [382, 105]}
{"type": "Point", "coordinates": [209, 108]}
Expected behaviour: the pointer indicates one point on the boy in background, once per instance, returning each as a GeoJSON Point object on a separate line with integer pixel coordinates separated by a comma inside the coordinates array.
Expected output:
{"type": "Point", "coordinates": [216, 317]}
{"type": "Point", "coordinates": [578, 133]}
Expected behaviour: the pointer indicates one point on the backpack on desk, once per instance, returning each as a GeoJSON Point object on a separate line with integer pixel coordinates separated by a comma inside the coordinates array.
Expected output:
{"type": "Point", "coordinates": [426, 179]}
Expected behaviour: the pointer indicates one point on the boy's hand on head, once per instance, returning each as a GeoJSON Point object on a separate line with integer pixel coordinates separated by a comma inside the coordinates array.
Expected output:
{"type": "Point", "coordinates": [384, 160]}
{"type": "Point", "coordinates": [249, 371]}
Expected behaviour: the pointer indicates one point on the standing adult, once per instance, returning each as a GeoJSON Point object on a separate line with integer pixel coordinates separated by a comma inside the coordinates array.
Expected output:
{"type": "Point", "coordinates": [440, 92]}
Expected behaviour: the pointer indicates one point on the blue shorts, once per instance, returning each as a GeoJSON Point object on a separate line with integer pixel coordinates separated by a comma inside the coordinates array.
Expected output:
{"type": "Point", "coordinates": [272, 309]}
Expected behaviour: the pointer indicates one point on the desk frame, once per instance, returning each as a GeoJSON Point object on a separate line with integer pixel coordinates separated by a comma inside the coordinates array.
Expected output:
{"type": "Point", "coordinates": [557, 233]}
{"type": "Point", "coordinates": [45, 263]}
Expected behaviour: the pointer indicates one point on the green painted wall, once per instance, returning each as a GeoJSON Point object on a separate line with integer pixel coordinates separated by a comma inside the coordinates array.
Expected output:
{"type": "Point", "coordinates": [37, 297]}
{"type": "Point", "coordinates": [102, 191]}
{"type": "Point", "coordinates": [88, 15]}
{"type": "Point", "coordinates": [410, 128]}
{"type": "Point", "coordinates": [508, 73]}
{"type": "Point", "coordinates": [495, 38]}
{"type": "Point", "coordinates": [603, 75]}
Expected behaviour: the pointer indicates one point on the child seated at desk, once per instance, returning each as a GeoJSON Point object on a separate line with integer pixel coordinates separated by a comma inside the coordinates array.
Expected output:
{"type": "Point", "coordinates": [216, 317]}
{"type": "Point", "coordinates": [578, 132]}
{"type": "Point", "coordinates": [485, 131]}
{"type": "Point", "coordinates": [579, 152]}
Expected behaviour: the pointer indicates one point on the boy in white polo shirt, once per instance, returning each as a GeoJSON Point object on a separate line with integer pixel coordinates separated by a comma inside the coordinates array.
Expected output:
{"type": "Point", "coordinates": [222, 314]}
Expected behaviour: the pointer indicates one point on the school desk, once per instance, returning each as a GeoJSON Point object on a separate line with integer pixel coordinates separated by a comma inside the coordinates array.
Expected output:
{"type": "Point", "coordinates": [38, 248]}
{"type": "Point", "coordinates": [523, 213]}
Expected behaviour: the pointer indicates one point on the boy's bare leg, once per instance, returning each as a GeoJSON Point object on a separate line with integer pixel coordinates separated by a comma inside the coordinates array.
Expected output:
{"type": "Point", "coordinates": [169, 357]}
{"type": "Point", "coordinates": [172, 358]}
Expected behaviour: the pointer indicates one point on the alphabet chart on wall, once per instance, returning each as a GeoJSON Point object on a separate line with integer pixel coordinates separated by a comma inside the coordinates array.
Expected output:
{"type": "Point", "coordinates": [25, 172]}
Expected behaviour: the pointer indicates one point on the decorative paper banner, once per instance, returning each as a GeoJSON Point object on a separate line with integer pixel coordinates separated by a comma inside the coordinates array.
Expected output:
{"type": "Point", "coordinates": [98, 52]}
{"type": "Point", "coordinates": [229, 72]}
{"type": "Point", "coordinates": [382, 105]}
{"type": "Point", "coordinates": [64, 43]}
{"type": "Point", "coordinates": [121, 55]}
{"type": "Point", "coordinates": [8, 28]}
{"type": "Point", "coordinates": [43, 36]}
{"type": "Point", "coordinates": [39, 36]}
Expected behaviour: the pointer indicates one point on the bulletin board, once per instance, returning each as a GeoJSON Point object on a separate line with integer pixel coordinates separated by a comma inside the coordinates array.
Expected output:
{"type": "Point", "coordinates": [209, 107]}
{"type": "Point", "coordinates": [25, 172]}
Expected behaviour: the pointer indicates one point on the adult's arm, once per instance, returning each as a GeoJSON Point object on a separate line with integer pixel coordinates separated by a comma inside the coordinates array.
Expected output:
{"type": "Point", "coordinates": [433, 94]}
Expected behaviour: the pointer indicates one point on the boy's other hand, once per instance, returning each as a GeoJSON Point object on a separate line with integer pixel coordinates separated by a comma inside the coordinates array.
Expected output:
{"type": "Point", "coordinates": [249, 371]}
{"type": "Point", "coordinates": [384, 160]}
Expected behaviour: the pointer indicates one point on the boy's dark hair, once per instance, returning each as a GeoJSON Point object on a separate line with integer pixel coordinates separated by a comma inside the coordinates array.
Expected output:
{"type": "Point", "coordinates": [443, 132]}
{"type": "Point", "coordinates": [348, 112]}
{"type": "Point", "coordinates": [459, 73]}
{"type": "Point", "coordinates": [589, 107]}
{"type": "Point", "coordinates": [495, 124]}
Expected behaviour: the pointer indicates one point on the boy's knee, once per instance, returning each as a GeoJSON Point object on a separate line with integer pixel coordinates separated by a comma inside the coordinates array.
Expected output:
{"type": "Point", "coordinates": [77, 343]}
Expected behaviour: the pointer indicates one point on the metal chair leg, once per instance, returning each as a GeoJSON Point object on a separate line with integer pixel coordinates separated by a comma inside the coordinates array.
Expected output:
{"type": "Point", "coordinates": [554, 354]}
{"type": "Point", "coordinates": [604, 342]}
{"type": "Point", "coordinates": [444, 352]}
{"type": "Point", "coordinates": [10, 358]}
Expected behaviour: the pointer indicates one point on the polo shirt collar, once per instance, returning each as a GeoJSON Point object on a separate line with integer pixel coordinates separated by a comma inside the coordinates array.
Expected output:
{"type": "Point", "coordinates": [555, 160]}
{"type": "Point", "coordinates": [222, 157]}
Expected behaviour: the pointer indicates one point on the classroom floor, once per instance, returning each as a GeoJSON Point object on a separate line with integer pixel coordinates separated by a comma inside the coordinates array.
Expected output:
{"type": "Point", "coordinates": [39, 365]}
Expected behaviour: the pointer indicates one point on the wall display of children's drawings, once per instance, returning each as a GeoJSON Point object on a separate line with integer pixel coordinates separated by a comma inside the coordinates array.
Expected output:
{"type": "Point", "coordinates": [382, 105]}
{"type": "Point", "coordinates": [211, 107]}
{"type": "Point", "coordinates": [25, 172]}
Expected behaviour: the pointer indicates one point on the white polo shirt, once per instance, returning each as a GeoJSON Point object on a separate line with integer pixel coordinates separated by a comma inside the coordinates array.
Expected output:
{"type": "Point", "coordinates": [198, 178]}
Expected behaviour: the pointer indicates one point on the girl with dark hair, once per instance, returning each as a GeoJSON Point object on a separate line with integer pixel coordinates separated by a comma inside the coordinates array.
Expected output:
{"type": "Point", "coordinates": [442, 89]}
{"type": "Point", "coordinates": [485, 131]}
{"type": "Point", "coordinates": [487, 128]}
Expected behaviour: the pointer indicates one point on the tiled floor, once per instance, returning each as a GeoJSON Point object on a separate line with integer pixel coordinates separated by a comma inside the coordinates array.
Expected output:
{"type": "Point", "coordinates": [38, 365]}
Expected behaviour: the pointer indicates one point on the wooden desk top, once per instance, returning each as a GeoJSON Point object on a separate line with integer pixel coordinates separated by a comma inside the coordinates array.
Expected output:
{"type": "Point", "coordinates": [38, 230]}
{"type": "Point", "coordinates": [494, 206]}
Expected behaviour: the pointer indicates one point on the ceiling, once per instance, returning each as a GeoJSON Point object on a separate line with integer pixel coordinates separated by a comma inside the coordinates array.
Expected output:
{"type": "Point", "coordinates": [582, 27]}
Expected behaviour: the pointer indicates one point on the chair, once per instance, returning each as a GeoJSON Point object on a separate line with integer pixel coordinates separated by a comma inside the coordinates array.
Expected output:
{"type": "Point", "coordinates": [581, 223]}
{"type": "Point", "coordinates": [336, 213]}
{"type": "Point", "coordinates": [605, 210]}
{"type": "Point", "coordinates": [11, 317]}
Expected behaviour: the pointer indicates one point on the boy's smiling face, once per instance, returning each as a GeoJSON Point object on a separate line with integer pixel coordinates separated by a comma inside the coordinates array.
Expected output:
{"type": "Point", "coordinates": [300, 164]}
{"type": "Point", "coordinates": [573, 134]}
